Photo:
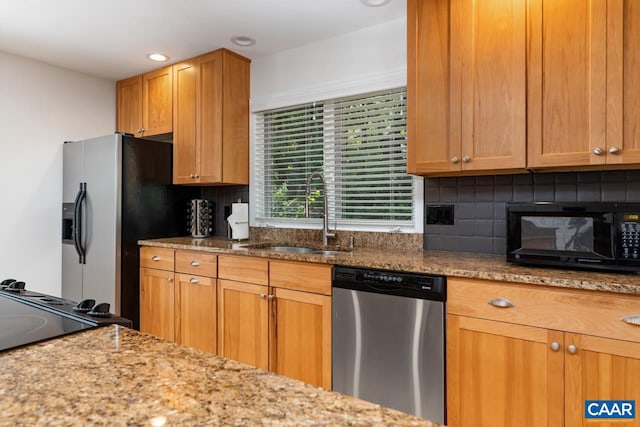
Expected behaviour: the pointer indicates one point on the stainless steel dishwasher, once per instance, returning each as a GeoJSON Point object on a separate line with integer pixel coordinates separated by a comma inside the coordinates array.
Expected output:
{"type": "Point", "coordinates": [388, 339]}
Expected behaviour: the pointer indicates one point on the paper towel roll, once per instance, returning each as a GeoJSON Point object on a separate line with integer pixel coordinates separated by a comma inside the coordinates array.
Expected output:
{"type": "Point", "coordinates": [239, 221]}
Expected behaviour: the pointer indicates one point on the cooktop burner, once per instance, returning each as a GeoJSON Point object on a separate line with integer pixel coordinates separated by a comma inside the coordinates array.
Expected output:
{"type": "Point", "coordinates": [27, 317]}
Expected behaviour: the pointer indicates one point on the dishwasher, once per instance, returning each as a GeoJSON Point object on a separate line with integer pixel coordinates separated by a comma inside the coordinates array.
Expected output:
{"type": "Point", "coordinates": [388, 339]}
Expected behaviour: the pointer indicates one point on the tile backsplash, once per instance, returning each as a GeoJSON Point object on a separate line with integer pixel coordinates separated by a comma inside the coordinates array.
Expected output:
{"type": "Point", "coordinates": [480, 202]}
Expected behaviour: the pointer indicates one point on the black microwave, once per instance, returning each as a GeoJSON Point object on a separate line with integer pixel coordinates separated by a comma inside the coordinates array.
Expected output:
{"type": "Point", "coordinates": [593, 235]}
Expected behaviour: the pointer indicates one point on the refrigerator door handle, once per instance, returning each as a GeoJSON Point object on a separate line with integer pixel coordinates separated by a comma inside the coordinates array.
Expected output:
{"type": "Point", "coordinates": [77, 223]}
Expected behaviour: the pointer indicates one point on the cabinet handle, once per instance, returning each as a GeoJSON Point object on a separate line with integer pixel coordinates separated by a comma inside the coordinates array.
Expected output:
{"type": "Point", "coordinates": [614, 150]}
{"type": "Point", "coordinates": [140, 130]}
{"type": "Point", "coordinates": [597, 151]}
{"type": "Point", "coordinates": [195, 175]}
{"type": "Point", "coordinates": [169, 279]}
{"type": "Point", "coordinates": [572, 349]}
{"type": "Point", "coordinates": [466, 159]}
{"type": "Point", "coordinates": [632, 320]}
{"type": "Point", "coordinates": [263, 296]}
{"type": "Point", "coordinates": [156, 258]}
{"type": "Point", "coordinates": [194, 280]}
{"type": "Point", "coordinates": [454, 160]}
{"type": "Point", "coordinates": [501, 303]}
{"type": "Point", "coordinates": [190, 175]}
{"type": "Point", "coordinates": [272, 297]}
{"type": "Point", "coordinates": [195, 263]}
{"type": "Point", "coordinates": [555, 346]}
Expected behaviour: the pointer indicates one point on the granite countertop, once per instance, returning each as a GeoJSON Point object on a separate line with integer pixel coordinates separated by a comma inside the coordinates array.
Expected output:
{"type": "Point", "coordinates": [118, 376]}
{"type": "Point", "coordinates": [469, 265]}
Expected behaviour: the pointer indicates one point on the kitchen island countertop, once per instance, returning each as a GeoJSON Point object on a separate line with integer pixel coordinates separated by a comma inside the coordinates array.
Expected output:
{"type": "Point", "coordinates": [453, 264]}
{"type": "Point", "coordinates": [118, 376]}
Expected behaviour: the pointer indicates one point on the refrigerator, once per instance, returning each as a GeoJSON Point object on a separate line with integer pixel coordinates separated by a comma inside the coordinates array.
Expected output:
{"type": "Point", "coordinates": [116, 190]}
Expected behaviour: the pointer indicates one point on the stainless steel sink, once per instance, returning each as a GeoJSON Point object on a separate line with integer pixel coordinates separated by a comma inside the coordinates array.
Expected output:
{"type": "Point", "coordinates": [299, 250]}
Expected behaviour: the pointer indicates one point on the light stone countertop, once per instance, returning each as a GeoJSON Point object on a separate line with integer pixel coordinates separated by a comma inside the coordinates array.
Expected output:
{"type": "Point", "coordinates": [117, 376]}
{"type": "Point", "coordinates": [456, 264]}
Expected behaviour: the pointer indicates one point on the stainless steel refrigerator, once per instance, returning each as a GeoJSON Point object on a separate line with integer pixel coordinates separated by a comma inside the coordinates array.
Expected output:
{"type": "Point", "coordinates": [116, 190]}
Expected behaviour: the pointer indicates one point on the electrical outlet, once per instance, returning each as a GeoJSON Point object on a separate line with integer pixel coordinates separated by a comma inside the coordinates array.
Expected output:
{"type": "Point", "coordinates": [440, 214]}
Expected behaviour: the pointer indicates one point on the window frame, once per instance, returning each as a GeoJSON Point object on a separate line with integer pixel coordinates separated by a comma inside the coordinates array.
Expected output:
{"type": "Point", "coordinates": [367, 84]}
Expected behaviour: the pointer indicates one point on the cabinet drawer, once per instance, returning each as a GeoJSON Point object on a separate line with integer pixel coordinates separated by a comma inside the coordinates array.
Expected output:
{"type": "Point", "coordinates": [158, 258]}
{"type": "Point", "coordinates": [244, 269]}
{"type": "Point", "coordinates": [198, 263]}
{"type": "Point", "coordinates": [301, 276]}
{"type": "Point", "coordinates": [583, 312]}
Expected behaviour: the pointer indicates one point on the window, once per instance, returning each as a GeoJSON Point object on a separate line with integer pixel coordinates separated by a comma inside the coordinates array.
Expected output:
{"type": "Point", "coordinates": [358, 143]}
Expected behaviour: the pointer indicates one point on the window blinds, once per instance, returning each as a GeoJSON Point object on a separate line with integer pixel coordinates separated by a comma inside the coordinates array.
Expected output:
{"type": "Point", "coordinates": [358, 143]}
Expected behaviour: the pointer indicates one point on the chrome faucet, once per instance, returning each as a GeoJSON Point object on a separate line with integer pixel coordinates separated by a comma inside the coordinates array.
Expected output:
{"type": "Point", "coordinates": [325, 219]}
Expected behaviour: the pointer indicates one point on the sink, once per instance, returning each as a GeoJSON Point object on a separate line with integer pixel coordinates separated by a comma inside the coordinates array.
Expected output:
{"type": "Point", "coordinates": [299, 249]}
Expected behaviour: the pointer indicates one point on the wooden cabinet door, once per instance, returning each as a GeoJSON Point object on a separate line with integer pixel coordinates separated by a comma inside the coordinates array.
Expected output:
{"type": "Point", "coordinates": [209, 116]}
{"type": "Point", "coordinates": [157, 302]}
{"type": "Point", "coordinates": [157, 98]}
{"type": "Point", "coordinates": [567, 82]}
{"type": "Point", "coordinates": [196, 313]}
{"type": "Point", "coordinates": [623, 82]}
{"type": "Point", "coordinates": [301, 336]}
{"type": "Point", "coordinates": [601, 368]}
{"type": "Point", "coordinates": [129, 105]}
{"type": "Point", "coordinates": [488, 50]}
{"type": "Point", "coordinates": [243, 323]}
{"type": "Point", "coordinates": [433, 121]}
{"type": "Point", "coordinates": [503, 375]}
{"type": "Point", "coordinates": [185, 149]}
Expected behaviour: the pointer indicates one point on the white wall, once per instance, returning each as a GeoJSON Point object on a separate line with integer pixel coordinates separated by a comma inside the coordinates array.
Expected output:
{"type": "Point", "coordinates": [374, 57]}
{"type": "Point", "coordinates": [41, 106]}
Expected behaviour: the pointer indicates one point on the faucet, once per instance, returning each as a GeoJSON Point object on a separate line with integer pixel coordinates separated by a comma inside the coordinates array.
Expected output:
{"type": "Point", "coordinates": [325, 220]}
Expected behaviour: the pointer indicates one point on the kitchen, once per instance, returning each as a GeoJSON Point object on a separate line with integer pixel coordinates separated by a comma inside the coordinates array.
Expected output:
{"type": "Point", "coordinates": [479, 222]}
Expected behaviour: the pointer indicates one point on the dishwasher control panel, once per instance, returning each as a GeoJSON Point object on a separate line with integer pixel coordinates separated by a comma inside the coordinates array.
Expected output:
{"type": "Point", "coordinates": [414, 285]}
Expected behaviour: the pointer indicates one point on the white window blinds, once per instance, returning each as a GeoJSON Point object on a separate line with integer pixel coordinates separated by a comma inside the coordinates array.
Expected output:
{"type": "Point", "coordinates": [358, 143]}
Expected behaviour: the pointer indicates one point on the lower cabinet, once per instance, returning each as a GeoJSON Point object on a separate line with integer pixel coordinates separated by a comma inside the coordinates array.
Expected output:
{"type": "Point", "coordinates": [281, 329]}
{"type": "Point", "coordinates": [176, 304]}
{"type": "Point", "coordinates": [522, 356]}
{"type": "Point", "coordinates": [157, 303]}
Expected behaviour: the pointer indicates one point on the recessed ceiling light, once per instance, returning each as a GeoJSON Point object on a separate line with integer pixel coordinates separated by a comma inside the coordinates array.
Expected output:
{"type": "Point", "coordinates": [158, 57]}
{"type": "Point", "coordinates": [374, 3]}
{"type": "Point", "coordinates": [243, 41]}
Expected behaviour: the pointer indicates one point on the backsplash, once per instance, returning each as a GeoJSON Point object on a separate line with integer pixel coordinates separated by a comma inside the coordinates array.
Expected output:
{"type": "Point", "coordinates": [480, 203]}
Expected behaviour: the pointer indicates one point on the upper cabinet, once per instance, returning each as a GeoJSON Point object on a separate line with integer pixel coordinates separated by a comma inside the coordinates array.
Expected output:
{"type": "Point", "coordinates": [211, 119]}
{"type": "Point", "coordinates": [567, 83]}
{"type": "Point", "coordinates": [145, 104]}
{"type": "Point", "coordinates": [496, 86]}
{"type": "Point", "coordinates": [466, 86]}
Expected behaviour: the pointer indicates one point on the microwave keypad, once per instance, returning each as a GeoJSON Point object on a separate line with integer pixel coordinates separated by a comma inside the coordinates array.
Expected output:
{"type": "Point", "coordinates": [630, 234]}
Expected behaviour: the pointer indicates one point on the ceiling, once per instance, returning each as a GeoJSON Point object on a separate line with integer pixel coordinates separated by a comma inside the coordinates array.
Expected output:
{"type": "Point", "coordinates": [111, 38]}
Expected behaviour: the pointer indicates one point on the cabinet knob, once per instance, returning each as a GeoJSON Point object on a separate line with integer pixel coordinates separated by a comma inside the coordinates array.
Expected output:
{"type": "Point", "coordinates": [190, 175]}
{"type": "Point", "coordinates": [572, 349]}
{"type": "Point", "coordinates": [195, 175]}
{"type": "Point", "coordinates": [156, 258]}
{"type": "Point", "coordinates": [140, 130]}
{"type": "Point", "coordinates": [454, 160]}
{"type": "Point", "coordinates": [195, 263]}
{"type": "Point", "coordinates": [194, 280]}
{"type": "Point", "coordinates": [263, 296]}
{"type": "Point", "coordinates": [271, 297]}
{"type": "Point", "coordinates": [466, 159]}
{"type": "Point", "coordinates": [169, 279]}
{"type": "Point", "coordinates": [501, 303]}
{"type": "Point", "coordinates": [555, 346]}
{"type": "Point", "coordinates": [597, 151]}
{"type": "Point", "coordinates": [614, 150]}
{"type": "Point", "coordinates": [632, 320]}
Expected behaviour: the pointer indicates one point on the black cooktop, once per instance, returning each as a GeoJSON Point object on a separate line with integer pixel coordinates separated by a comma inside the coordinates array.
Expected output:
{"type": "Point", "coordinates": [27, 317]}
{"type": "Point", "coordinates": [21, 324]}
